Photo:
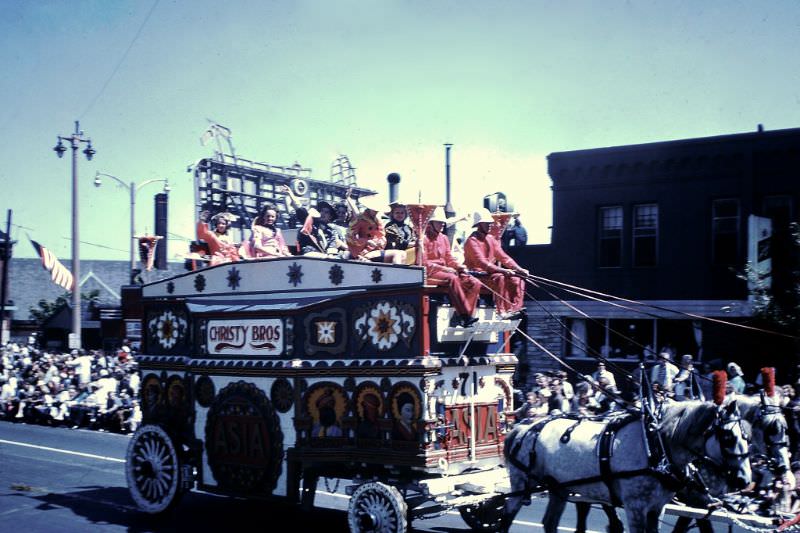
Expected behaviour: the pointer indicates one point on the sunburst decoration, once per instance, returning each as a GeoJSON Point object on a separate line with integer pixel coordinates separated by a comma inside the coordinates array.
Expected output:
{"type": "Point", "coordinates": [167, 329]}
{"type": "Point", "coordinates": [384, 324]}
{"type": "Point", "coordinates": [377, 275]}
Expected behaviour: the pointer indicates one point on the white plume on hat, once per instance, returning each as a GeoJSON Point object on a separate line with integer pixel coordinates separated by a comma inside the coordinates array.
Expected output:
{"type": "Point", "coordinates": [482, 215]}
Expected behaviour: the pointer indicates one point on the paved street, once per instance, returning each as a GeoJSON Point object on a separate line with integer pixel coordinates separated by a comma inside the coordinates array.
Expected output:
{"type": "Point", "coordinates": [56, 479]}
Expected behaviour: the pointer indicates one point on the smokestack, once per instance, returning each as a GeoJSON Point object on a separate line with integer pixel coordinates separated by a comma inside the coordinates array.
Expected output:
{"type": "Point", "coordinates": [448, 206]}
{"type": "Point", "coordinates": [394, 185]}
{"type": "Point", "coordinates": [161, 229]}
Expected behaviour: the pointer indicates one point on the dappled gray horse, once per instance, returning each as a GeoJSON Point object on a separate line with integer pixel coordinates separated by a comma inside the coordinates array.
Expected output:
{"type": "Point", "coordinates": [768, 428]}
{"type": "Point", "coordinates": [609, 461]}
{"type": "Point", "coordinates": [764, 421]}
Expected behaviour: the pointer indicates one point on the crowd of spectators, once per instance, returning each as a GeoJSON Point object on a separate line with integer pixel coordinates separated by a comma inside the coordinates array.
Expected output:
{"type": "Point", "coordinates": [669, 377]}
{"type": "Point", "coordinates": [79, 389]}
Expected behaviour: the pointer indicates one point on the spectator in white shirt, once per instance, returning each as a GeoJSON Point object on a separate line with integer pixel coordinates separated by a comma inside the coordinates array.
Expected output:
{"type": "Point", "coordinates": [663, 374]}
{"type": "Point", "coordinates": [601, 372]}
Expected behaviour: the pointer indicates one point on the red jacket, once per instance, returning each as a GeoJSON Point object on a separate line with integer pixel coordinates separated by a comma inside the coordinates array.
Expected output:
{"type": "Point", "coordinates": [437, 254]}
{"type": "Point", "coordinates": [483, 252]}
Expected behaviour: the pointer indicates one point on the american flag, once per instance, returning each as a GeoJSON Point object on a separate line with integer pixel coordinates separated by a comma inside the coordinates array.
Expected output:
{"type": "Point", "coordinates": [59, 274]}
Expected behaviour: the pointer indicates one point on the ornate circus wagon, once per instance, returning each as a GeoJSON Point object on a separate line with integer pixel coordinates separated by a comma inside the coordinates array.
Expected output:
{"type": "Point", "coordinates": [259, 377]}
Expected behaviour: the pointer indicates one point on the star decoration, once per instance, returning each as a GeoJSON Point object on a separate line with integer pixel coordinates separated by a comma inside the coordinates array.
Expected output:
{"type": "Point", "coordinates": [170, 287]}
{"type": "Point", "coordinates": [295, 274]}
{"type": "Point", "coordinates": [234, 278]}
{"type": "Point", "coordinates": [326, 332]}
{"type": "Point", "coordinates": [200, 283]}
{"type": "Point", "coordinates": [377, 275]}
{"type": "Point", "coordinates": [336, 274]}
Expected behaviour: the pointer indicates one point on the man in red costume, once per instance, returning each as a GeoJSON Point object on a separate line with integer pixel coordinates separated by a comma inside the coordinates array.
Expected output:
{"type": "Point", "coordinates": [444, 270]}
{"type": "Point", "coordinates": [483, 253]}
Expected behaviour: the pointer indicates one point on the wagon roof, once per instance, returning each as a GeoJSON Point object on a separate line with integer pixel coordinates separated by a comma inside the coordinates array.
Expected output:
{"type": "Point", "coordinates": [283, 280]}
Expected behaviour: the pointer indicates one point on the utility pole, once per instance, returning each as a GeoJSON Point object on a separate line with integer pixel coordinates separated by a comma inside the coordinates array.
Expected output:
{"type": "Point", "coordinates": [448, 206]}
{"type": "Point", "coordinates": [133, 188]}
{"type": "Point", "coordinates": [75, 140]}
{"type": "Point", "coordinates": [6, 258]}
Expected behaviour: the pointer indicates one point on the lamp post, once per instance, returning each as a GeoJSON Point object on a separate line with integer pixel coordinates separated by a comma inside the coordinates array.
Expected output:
{"type": "Point", "coordinates": [133, 188]}
{"type": "Point", "coordinates": [75, 140]}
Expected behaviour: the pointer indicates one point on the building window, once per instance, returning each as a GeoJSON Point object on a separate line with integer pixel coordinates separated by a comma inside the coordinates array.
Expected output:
{"type": "Point", "coordinates": [614, 338]}
{"type": "Point", "coordinates": [725, 232]}
{"type": "Point", "coordinates": [645, 235]}
{"type": "Point", "coordinates": [610, 246]}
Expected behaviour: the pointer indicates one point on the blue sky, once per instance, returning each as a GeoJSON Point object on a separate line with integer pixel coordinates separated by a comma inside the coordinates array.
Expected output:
{"type": "Point", "coordinates": [385, 82]}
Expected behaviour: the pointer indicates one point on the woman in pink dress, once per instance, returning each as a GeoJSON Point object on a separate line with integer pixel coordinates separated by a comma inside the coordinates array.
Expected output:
{"type": "Point", "coordinates": [266, 240]}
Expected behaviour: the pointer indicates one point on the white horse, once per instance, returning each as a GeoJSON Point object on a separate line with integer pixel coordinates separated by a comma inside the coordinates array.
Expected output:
{"type": "Point", "coordinates": [769, 430]}
{"type": "Point", "coordinates": [613, 462]}
{"type": "Point", "coordinates": [769, 442]}
{"type": "Point", "coordinates": [764, 421]}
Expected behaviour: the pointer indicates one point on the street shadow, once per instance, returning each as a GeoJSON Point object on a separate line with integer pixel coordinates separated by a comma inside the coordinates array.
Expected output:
{"type": "Point", "coordinates": [195, 512]}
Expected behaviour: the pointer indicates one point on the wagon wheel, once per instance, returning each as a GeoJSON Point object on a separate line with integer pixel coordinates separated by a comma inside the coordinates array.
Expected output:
{"type": "Point", "coordinates": [485, 516]}
{"type": "Point", "coordinates": [377, 508]}
{"type": "Point", "coordinates": [153, 470]}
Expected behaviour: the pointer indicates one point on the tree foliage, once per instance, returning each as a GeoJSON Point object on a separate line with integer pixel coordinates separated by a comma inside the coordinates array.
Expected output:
{"type": "Point", "coordinates": [46, 309]}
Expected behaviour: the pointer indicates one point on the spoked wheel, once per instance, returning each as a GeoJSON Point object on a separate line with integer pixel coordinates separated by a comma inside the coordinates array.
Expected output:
{"type": "Point", "coordinates": [153, 470]}
{"type": "Point", "coordinates": [377, 508]}
{"type": "Point", "coordinates": [486, 516]}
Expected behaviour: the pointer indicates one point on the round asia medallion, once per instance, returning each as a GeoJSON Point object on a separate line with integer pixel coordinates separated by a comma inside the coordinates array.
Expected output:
{"type": "Point", "coordinates": [204, 391]}
{"type": "Point", "coordinates": [282, 395]}
{"type": "Point", "coordinates": [244, 440]}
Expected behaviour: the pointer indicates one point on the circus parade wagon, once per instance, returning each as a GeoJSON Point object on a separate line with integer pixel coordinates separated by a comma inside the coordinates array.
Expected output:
{"type": "Point", "coordinates": [260, 377]}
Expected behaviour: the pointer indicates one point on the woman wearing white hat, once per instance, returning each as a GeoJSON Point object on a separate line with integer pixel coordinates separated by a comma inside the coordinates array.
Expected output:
{"type": "Point", "coordinates": [483, 253]}
{"type": "Point", "coordinates": [366, 238]}
{"type": "Point", "coordinates": [445, 270]}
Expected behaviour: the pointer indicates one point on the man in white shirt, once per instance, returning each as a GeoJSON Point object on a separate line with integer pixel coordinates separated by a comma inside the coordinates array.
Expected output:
{"type": "Point", "coordinates": [83, 366]}
{"type": "Point", "coordinates": [663, 374]}
{"type": "Point", "coordinates": [601, 372]}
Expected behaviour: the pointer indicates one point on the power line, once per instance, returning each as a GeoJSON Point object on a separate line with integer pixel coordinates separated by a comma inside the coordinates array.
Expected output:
{"type": "Point", "coordinates": [586, 293]}
{"type": "Point", "coordinates": [119, 63]}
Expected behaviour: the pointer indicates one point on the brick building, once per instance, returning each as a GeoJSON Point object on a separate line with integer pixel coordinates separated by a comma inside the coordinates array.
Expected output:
{"type": "Point", "coordinates": [664, 223]}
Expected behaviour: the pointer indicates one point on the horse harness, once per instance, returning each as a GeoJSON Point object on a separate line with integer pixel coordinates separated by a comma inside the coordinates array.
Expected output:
{"type": "Point", "coordinates": [772, 429]}
{"type": "Point", "coordinates": [718, 430]}
{"type": "Point", "coordinates": [604, 449]}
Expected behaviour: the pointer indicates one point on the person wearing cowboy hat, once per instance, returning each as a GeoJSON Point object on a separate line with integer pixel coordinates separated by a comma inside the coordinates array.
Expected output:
{"type": "Point", "coordinates": [366, 238]}
{"type": "Point", "coordinates": [443, 269]}
{"type": "Point", "coordinates": [318, 236]}
{"type": "Point", "coordinates": [399, 235]}
{"type": "Point", "coordinates": [483, 253]}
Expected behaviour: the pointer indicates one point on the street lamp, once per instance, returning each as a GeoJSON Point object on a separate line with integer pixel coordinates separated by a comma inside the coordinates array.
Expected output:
{"type": "Point", "coordinates": [75, 140]}
{"type": "Point", "coordinates": [133, 188]}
